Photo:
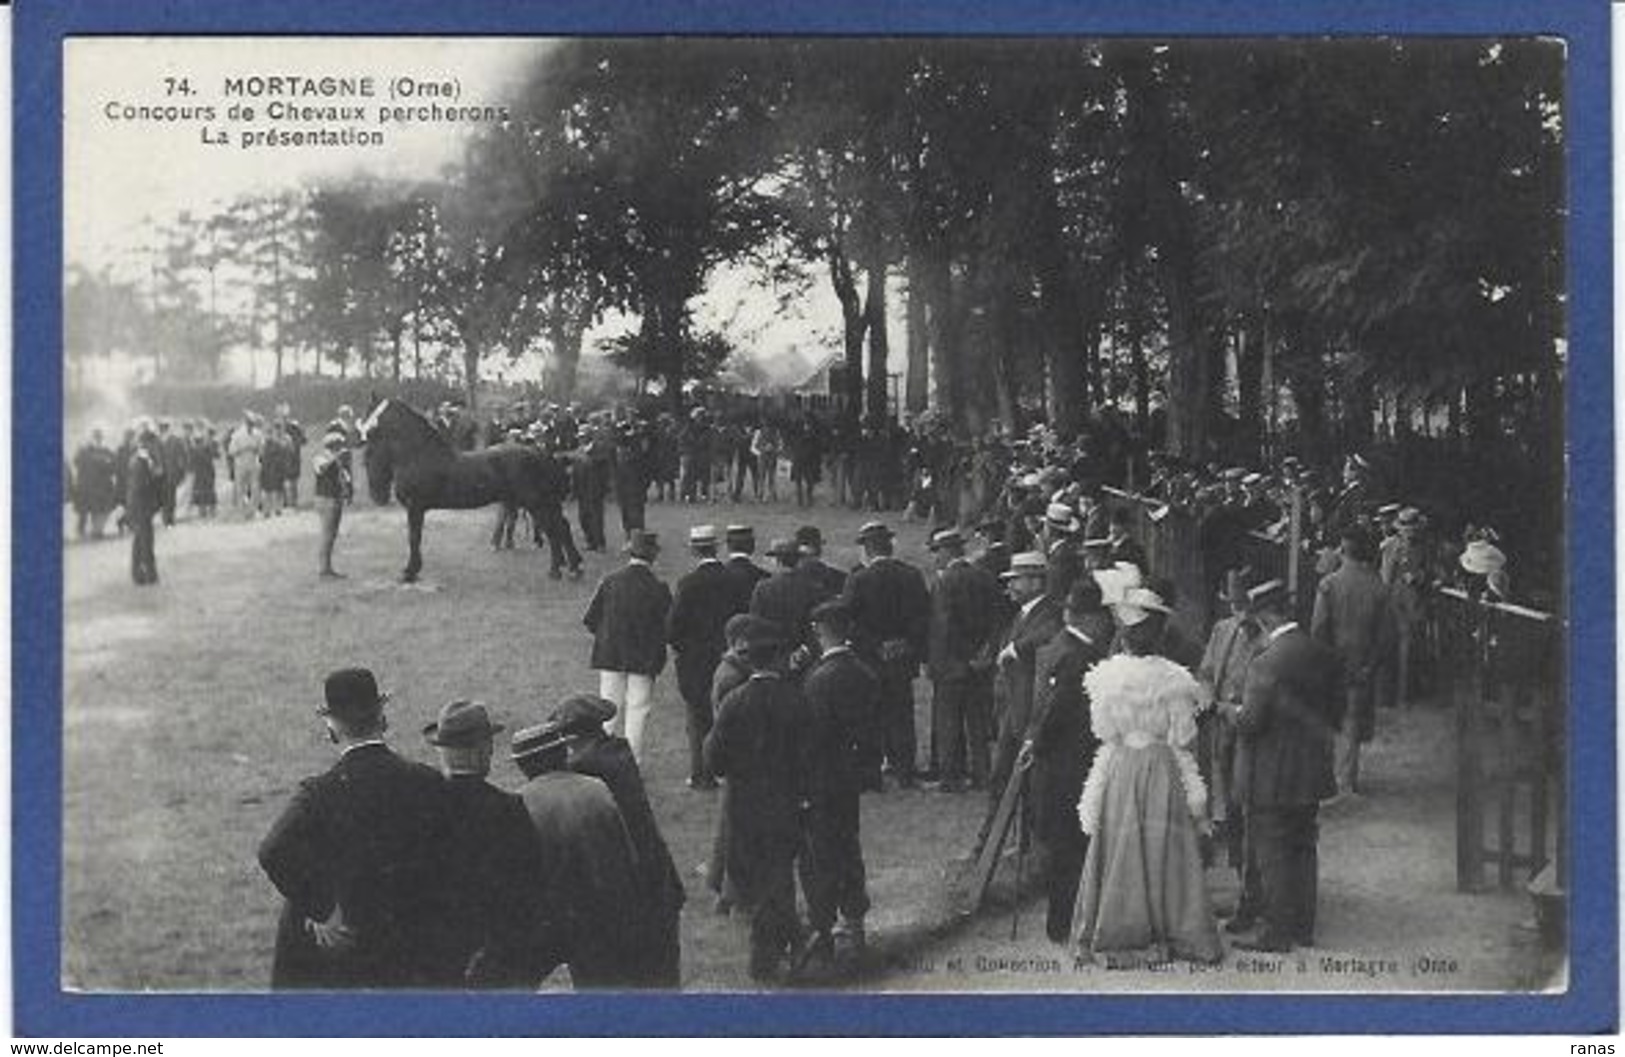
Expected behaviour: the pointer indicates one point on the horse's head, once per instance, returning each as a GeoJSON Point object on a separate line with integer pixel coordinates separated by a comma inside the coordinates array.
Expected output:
{"type": "Point", "coordinates": [378, 454]}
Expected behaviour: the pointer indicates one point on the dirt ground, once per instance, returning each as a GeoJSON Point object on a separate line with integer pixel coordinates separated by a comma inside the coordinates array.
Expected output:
{"type": "Point", "coordinates": [188, 720]}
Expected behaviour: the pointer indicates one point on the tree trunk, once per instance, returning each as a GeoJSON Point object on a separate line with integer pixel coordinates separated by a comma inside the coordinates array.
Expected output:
{"type": "Point", "coordinates": [1136, 350]}
{"type": "Point", "coordinates": [395, 349]}
{"type": "Point", "coordinates": [879, 347]}
{"type": "Point", "coordinates": [1249, 386]}
{"type": "Point", "coordinates": [853, 322]}
{"type": "Point", "coordinates": [471, 371]}
{"type": "Point", "coordinates": [945, 338]}
{"type": "Point", "coordinates": [916, 395]}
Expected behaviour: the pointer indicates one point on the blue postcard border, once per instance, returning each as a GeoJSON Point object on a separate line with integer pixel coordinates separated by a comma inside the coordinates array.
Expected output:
{"type": "Point", "coordinates": [42, 1008]}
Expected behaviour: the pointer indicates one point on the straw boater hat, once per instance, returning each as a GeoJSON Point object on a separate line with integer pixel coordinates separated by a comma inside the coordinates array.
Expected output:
{"type": "Point", "coordinates": [873, 530]}
{"type": "Point", "coordinates": [702, 536]}
{"type": "Point", "coordinates": [1237, 582]}
{"type": "Point", "coordinates": [1059, 516]}
{"type": "Point", "coordinates": [1027, 563]}
{"type": "Point", "coordinates": [944, 538]}
{"type": "Point", "coordinates": [1483, 558]}
{"type": "Point", "coordinates": [1411, 517]}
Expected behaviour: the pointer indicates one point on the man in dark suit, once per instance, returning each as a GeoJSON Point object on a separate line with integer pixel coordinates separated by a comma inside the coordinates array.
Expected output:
{"type": "Point", "coordinates": [1354, 617]}
{"type": "Point", "coordinates": [494, 856]}
{"type": "Point", "coordinates": [891, 616]}
{"type": "Point", "coordinates": [627, 618]}
{"type": "Point", "coordinates": [830, 580]}
{"type": "Point", "coordinates": [787, 598]}
{"type": "Point", "coordinates": [660, 897]}
{"type": "Point", "coordinates": [589, 877]}
{"type": "Point", "coordinates": [1287, 723]}
{"type": "Point", "coordinates": [1121, 546]}
{"type": "Point", "coordinates": [700, 608]}
{"type": "Point", "coordinates": [756, 745]}
{"type": "Point", "coordinates": [1061, 745]}
{"type": "Point", "coordinates": [841, 707]}
{"type": "Point", "coordinates": [740, 541]}
{"type": "Point", "coordinates": [964, 629]}
{"type": "Point", "coordinates": [360, 856]}
{"type": "Point", "coordinates": [1037, 619]}
{"type": "Point", "coordinates": [143, 499]}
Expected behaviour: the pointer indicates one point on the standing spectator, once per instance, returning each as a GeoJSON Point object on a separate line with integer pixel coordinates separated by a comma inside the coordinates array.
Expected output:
{"type": "Point", "coordinates": [756, 745]}
{"type": "Point", "coordinates": [787, 598]}
{"type": "Point", "coordinates": [1287, 723]}
{"type": "Point", "coordinates": [360, 857]}
{"type": "Point", "coordinates": [806, 462]}
{"type": "Point", "coordinates": [95, 471]}
{"type": "Point", "coordinates": [830, 580]}
{"type": "Point", "coordinates": [589, 867]}
{"type": "Point", "coordinates": [840, 691]}
{"type": "Point", "coordinates": [1061, 745]}
{"type": "Point", "coordinates": [274, 454]}
{"type": "Point", "coordinates": [1142, 895]}
{"type": "Point", "coordinates": [704, 600]}
{"type": "Point", "coordinates": [632, 458]}
{"type": "Point", "coordinates": [172, 451]}
{"type": "Point", "coordinates": [294, 435]}
{"type": "Point", "coordinates": [143, 500]}
{"type": "Point", "coordinates": [660, 893]}
{"type": "Point", "coordinates": [1035, 623]}
{"type": "Point", "coordinates": [764, 451]}
{"type": "Point", "coordinates": [627, 618]}
{"type": "Point", "coordinates": [740, 541]}
{"type": "Point", "coordinates": [243, 454]}
{"type": "Point", "coordinates": [697, 441]}
{"type": "Point", "coordinates": [1231, 647]}
{"type": "Point", "coordinates": [891, 616]}
{"type": "Point", "coordinates": [493, 855]}
{"type": "Point", "coordinates": [205, 450]}
{"type": "Point", "coordinates": [591, 470]}
{"type": "Point", "coordinates": [1353, 616]}
{"type": "Point", "coordinates": [964, 629]}
{"type": "Point", "coordinates": [333, 490]}
{"type": "Point", "coordinates": [1407, 569]}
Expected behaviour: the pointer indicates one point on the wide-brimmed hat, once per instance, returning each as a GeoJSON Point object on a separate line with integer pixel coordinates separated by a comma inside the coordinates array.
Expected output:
{"type": "Point", "coordinates": [643, 544]}
{"type": "Point", "coordinates": [1268, 593]}
{"type": "Point", "coordinates": [582, 714]}
{"type": "Point", "coordinates": [1482, 558]}
{"type": "Point", "coordinates": [1237, 582]}
{"type": "Point", "coordinates": [351, 694]}
{"type": "Point", "coordinates": [1137, 604]}
{"type": "Point", "coordinates": [874, 530]}
{"type": "Point", "coordinates": [1116, 582]}
{"type": "Point", "coordinates": [1061, 517]}
{"type": "Point", "coordinates": [1027, 563]}
{"type": "Point", "coordinates": [528, 741]}
{"type": "Point", "coordinates": [1411, 517]}
{"type": "Point", "coordinates": [462, 723]}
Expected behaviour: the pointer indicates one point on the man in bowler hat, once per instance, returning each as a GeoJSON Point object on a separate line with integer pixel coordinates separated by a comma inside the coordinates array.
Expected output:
{"type": "Point", "coordinates": [627, 618]}
{"type": "Point", "coordinates": [704, 600]}
{"type": "Point", "coordinates": [360, 858]}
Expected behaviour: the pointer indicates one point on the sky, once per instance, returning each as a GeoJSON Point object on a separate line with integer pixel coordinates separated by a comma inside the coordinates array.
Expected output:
{"type": "Point", "coordinates": [121, 175]}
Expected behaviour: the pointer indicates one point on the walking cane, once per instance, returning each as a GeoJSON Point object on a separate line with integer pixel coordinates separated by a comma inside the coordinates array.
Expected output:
{"type": "Point", "coordinates": [1021, 852]}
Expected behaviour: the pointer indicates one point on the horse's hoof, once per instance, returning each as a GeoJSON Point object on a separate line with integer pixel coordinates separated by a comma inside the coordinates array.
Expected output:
{"type": "Point", "coordinates": [409, 578]}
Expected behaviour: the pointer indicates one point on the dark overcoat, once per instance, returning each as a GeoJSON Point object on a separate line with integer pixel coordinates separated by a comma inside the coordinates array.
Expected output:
{"type": "Point", "coordinates": [1291, 708]}
{"type": "Point", "coordinates": [964, 619]}
{"type": "Point", "coordinates": [756, 745]}
{"type": "Point", "coordinates": [890, 602]}
{"type": "Point", "coordinates": [1064, 742]}
{"type": "Point", "coordinates": [371, 835]}
{"type": "Point", "coordinates": [627, 618]}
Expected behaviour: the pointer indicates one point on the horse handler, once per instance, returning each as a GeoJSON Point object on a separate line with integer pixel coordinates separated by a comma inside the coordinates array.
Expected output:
{"type": "Point", "coordinates": [333, 490]}
{"type": "Point", "coordinates": [627, 618]}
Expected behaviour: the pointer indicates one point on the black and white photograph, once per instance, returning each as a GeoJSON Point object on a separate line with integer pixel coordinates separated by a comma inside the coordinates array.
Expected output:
{"type": "Point", "coordinates": [878, 514]}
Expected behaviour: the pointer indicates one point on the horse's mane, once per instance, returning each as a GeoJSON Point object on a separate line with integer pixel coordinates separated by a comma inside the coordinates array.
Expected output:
{"type": "Point", "coordinates": [418, 419]}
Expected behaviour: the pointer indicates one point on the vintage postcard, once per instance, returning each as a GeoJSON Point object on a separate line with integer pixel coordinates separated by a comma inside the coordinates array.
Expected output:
{"type": "Point", "coordinates": [1030, 510]}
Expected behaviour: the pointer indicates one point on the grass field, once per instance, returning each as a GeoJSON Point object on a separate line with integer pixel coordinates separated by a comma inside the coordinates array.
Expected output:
{"type": "Point", "coordinates": [188, 721]}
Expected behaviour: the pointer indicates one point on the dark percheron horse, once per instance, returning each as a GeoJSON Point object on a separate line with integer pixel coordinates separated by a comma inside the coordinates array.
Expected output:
{"type": "Point", "coordinates": [405, 450]}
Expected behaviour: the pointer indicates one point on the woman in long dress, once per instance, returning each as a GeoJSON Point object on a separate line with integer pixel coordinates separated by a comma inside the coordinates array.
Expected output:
{"type": "Point", "coordinates": [1142, 899]}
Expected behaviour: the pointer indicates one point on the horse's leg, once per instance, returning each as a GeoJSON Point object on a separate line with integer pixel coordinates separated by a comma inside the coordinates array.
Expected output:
{"type": "Point", "coordinates": [414, 542]}
{"type": "Point", "coordinates": [562, 543]}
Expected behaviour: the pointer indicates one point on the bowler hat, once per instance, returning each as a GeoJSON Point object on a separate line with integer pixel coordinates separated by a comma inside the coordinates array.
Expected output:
{"type": "Point", "coordinates": [582, 714]}
{"type": "Point", "coordinates": [351, 694]}
{"type": "Point", "coordinates": [642, 544]}
{"type": "Point", "coordinates": [461, 723]}
{"type": "Point", "coordinates": [834, 613]}
{"type": "Point", "coordinates": [809, 536]}
{"type": "Point", "coordinates": [762, 633]}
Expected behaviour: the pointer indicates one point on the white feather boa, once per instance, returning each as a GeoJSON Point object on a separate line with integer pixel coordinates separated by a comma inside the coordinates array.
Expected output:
{"type": "Point", "coordinates": [1139, 701]}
